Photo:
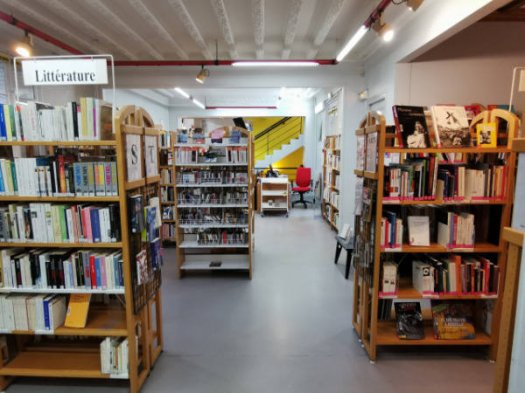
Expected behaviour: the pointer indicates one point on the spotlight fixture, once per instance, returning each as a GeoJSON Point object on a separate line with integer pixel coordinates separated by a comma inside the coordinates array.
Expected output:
{"type": "Point", "coordinates": [414, 4]}
{"type": "Point", "coordinates": [384, 30]}
{"type": "Point", "coordinates": [202, 75]}
{"type": "Point", "coordinates": [25, 47]}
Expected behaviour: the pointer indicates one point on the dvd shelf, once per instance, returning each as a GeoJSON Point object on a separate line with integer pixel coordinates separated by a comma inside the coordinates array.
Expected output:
{"type": "Point", "coordinates": [428, 224]}
{"type": "Point", "coordinates": [65, 233]}
{"type": "Point", "coordinates": [213, 220]}
{"type": "Point", "coordinates": [331, 180]}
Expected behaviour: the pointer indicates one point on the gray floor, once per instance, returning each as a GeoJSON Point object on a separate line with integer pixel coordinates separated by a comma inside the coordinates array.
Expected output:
{"type": "Point", "coordinates": [287, 330]}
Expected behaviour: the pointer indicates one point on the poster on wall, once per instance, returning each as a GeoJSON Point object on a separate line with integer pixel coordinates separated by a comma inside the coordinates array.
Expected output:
{"type": "Point", "coordinates": [151, 152]}
{"type": "Point", "coordinates": [133, 157]}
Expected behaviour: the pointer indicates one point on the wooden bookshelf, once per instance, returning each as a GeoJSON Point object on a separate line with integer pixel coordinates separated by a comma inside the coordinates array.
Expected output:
{"type": "Point", "coordinates": [369, 301]}
{"type": "Point", "coordinates": [168, 166]}
{"type": "Point", "coordinates": [195, 255]}
{"type": "Point", "coordinates": [331, 172]}
{"type": "Point", "coordinates": [132, 308]}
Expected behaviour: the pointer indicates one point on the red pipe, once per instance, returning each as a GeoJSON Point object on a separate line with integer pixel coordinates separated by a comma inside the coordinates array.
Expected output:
{"type": "Point", "coordinates": [160, 63]}
{"type": "Point", "coordinates": [376, 13]}
{"type": "Point", "coordinates": [37, 33]}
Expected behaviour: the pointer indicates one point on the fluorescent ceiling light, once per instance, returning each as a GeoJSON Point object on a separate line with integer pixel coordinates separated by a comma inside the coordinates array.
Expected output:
{"type": "Point", "coordinates": [198, 103]}
{"type": "Point", "coordinates": [351, 43]}
{"type": "Point", "coordinates": [275, 63]}
{"type": "Point", "coordinates": [182, 92]}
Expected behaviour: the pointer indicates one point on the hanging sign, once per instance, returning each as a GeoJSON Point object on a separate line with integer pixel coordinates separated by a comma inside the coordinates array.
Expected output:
{"type": "Point", "coordinates": [65, 72]}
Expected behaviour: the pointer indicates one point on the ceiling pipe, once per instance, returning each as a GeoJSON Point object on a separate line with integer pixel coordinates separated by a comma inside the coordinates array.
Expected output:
{"type": "Point", "coordinates": [38, 33]}
{"type": "Point", "coordinates": [376, 13]}
{"type": "Point", "coordinates": [182, 63]}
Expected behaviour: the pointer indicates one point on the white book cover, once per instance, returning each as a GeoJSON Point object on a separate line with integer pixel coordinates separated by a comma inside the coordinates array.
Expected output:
{"type": "Point", "coordinates": [418, 230]}
{"type": "Point", "coordinates": [451, 126]}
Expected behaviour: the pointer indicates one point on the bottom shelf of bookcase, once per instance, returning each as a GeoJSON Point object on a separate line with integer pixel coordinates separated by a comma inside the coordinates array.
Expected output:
{"type": "Point", "coordinates": [386, 335]}
{"type": "Point", "coordinates": [58, 364]}
{"type": "Point", "coordinates": [216, 265]}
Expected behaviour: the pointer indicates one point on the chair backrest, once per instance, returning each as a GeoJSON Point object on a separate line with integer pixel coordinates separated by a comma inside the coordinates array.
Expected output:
{"type": "Point", "coordinates": [303, 176]}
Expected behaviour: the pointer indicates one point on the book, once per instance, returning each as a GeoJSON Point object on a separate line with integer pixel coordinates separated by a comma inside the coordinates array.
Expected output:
{"type": "Point", "coordinates": [411, 127]}
{"type": "Point", "coordinates": [345, 232]}
{"type": "Point", "coordinates": [418, 230]}
{"type": "Point", "coordinates": [451, 126]}
{"type": "Point", "coordinates": [136, 213]}
{"type": "Point", "coordinates": [453, 321]}
{"type": "Point", "coordinates": [142, 267]}
{"type": "Point", "coordinates": [487, 134]}
{"type": "Point", "coordinates": [409, 321]}
{"type": "Point", "coordinates": [389, 277]}
{"type": "Point", "coordinates": [77, 310]}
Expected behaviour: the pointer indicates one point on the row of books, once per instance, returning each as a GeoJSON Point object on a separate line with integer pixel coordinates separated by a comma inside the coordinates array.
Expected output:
{"type": "Point", "coordinates": [167, 194]}
{"type": "Point", "coordinates": [456, 230]}
{"type": "Point", "coordinates": [90, 119]}
{"type": "Point", "coordinates": [213, 216]}
{"type": "Point", "coordinates": [60, 223]}
{"type": "Point", "coordinates": [114, 356]}
{"type": "Point", "coordinates": [217, 136]}
{"type": "Point", "coordinates": [197, 196]}
{"type": "Point", "coordinates": [61, 269]}
{"type": "Point", "coordinates": [166, 176]}
{"type": "Point", "coordinates": [460, 182]}
{"type": "Point", "coordinates": [442, 126]}
{"type": "Point", "coordinates": [333, 161]}
{"type": "Point", "coordinates": [226, 155]}
{"type": "Point", "coordinates": [32, 312]}
{"type": "Point", "coordinates": [57, 176]}
{"type": "Point", "coordinates": [429, 178]}
{"type": "Point", "coordinates": [168, 231]}
{"type": "Point", "coordinates": [212, 177]}
{"type": "Point", "coordinates": [455, 274]}
{"type": "Point", "coordinates": [218, 237]}
{"type": "Point", "coordinates": [451, 320]}
{"type": "Point", "coordinates": [391, 230]}
{"type": "Point", "coordinates": [166, 139]}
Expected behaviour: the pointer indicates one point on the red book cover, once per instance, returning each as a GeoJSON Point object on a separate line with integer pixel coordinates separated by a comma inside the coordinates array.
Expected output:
{"type": "Point", "coordinates": [93, 272]}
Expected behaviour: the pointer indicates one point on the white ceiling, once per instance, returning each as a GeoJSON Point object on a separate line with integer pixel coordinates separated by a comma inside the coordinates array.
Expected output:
{"type": "Point", "coordinates": [184, 29]}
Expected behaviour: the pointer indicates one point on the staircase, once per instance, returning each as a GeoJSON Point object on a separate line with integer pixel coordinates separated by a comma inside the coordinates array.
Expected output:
{"type": "Point", "coordinates": [278, 141]}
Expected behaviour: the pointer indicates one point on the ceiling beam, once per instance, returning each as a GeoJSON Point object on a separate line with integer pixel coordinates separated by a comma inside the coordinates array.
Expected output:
{"type": "Point", "coordinates": [125, 30]}
{"type": "Point", "coordinates": [291, 27]}
{"type": "Point", "coordinates": [184, 16]}
{"type": "Point", "coordinates": [49, 25]}
{"type": "Point", "coordinates": [331, 16]}
{"type": "Point", "coordinates": [64, 10]}
{"type": "Point", "coordinates": [153, 22]}
{"type": "Point", "coordinates": [258, 27]}
{"type": "Point", "coordinates": [224, 22]}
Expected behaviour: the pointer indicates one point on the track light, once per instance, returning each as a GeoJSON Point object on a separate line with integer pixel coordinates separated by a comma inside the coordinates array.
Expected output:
{"type": "Point", "coordinates": [384, 30]}
{"type": "Point", "coordinates": [25, 47]}
{"type": "Point", "coordinates": [414, 4]}
{"type": "Point", "coordinates": [202, 75]}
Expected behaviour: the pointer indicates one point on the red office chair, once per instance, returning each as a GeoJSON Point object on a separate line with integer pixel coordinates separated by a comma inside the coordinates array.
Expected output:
{"type": "Point", "coordinates": [303, 178]}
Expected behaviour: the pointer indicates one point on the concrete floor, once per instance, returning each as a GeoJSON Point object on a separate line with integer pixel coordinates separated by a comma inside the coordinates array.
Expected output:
{"type": "Point", "coordinates": [287, 330]}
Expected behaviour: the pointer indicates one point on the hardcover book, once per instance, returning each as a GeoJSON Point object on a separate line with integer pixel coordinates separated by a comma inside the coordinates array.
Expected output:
{"type": "Point", "coordinates": [411, 126]}
{"type": "Point", "coordinates": [453, 321]}
{"type": "Point", "coordinates": [487, 134]}
{"type": "Point", "coordinates": [409, 321]}
{"type": "Point", "coordinates": [451, 125]}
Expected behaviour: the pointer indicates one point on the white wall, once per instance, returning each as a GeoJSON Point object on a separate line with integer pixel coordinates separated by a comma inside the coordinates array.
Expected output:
{"type": "Point", "coordinates": [152, 103]}
{"type": "Point", "coordinates": [433, 23]}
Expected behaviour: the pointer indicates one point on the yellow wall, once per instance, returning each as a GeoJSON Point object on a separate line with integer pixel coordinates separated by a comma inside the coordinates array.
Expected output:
{"type": "Point", "coordinates": [292, 160]}
{"type": "Point", "coordinates": [262, 123]}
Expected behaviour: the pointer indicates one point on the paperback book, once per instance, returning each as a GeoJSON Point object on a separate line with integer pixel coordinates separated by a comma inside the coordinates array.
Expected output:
{"type": "Point", "coordinates": [453, 321]}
